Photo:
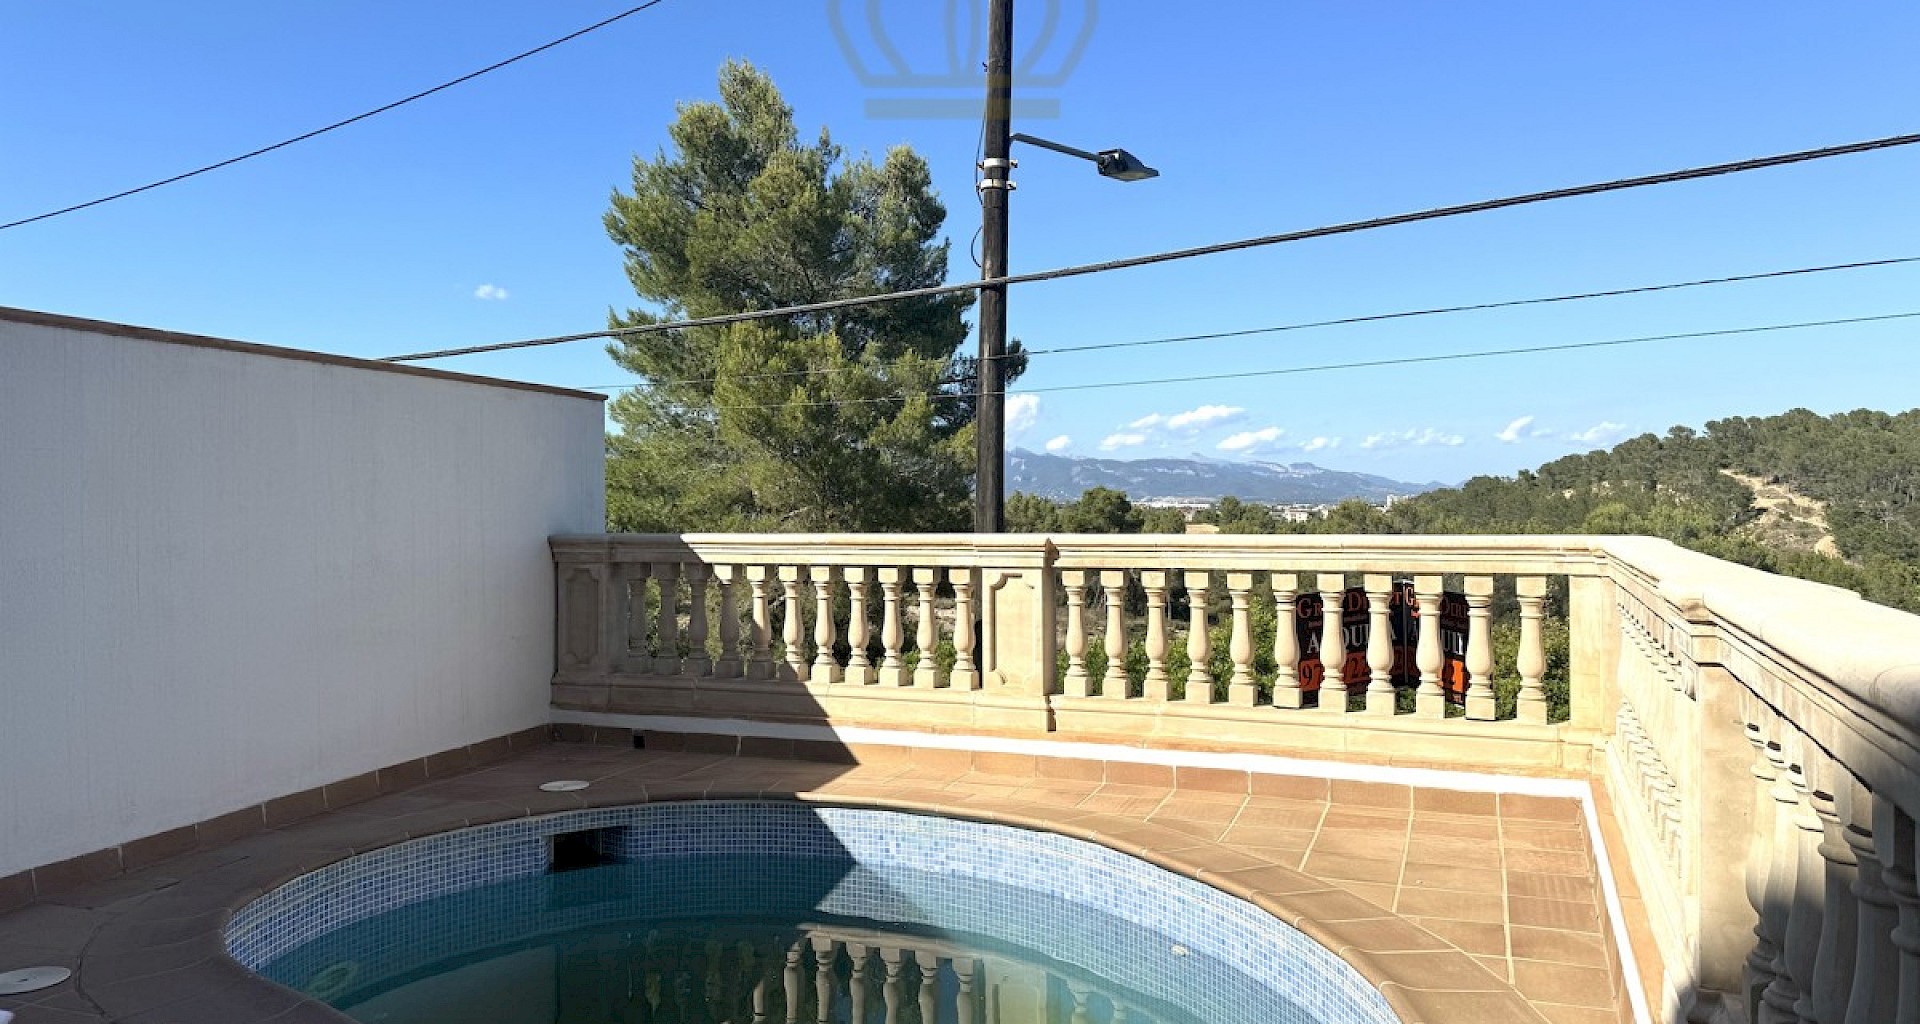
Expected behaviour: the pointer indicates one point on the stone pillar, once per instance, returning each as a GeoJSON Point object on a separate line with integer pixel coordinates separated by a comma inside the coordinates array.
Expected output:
{"type": "Point", "coordinates": [1077, 683]}
{"type": "Point", "coordinates": [793, 667]}
{"type": "Point", "coordinates": [1380, 693]}
{"type": "Point", "coordinates": [1333, 643]}
{"type": "Point", "coordinates": [1840, 919]}
{"type": "Point", "coordinates": [699, 662]}
{"type": "Point", "coordinates": [728, 665]}
{"type": "Point", "coordinates": [1113, 583]}
{"type": "Point", "coordinates": [760, 662]}
{"type": "Point", "coordinates": [826, 668]}
{"type": "Point", "coordinates": [1431, 699]}
{"type": "Point", "coordinates": [666, 651]}
{"type": "Point", "coordinates": [1241, 689]}
{"type": "Point", "coordinates": [629, 618]}
{"type": "Point", "coordinates": [1199, 644]}
{"type": "Point", "coordinates": [1593, 622]}
{"type": "Point", "coordinates": [965, 675]}
{"type": "Point", "coordinates": [1531, 592]}
{"type": "Point", "coordinates": [1154, 582]}
{"type": "Point", "coordinates": [1760, 861]}
{"type": "Point", "coordinates": [1286, 641]}
{"type": "Point", "coordinates": [1480, 699]}
{"type": "Point", "coordinates": [1809, 882]}
{"type": "Point", "coordinates": [859, 666]}
{"type": "Point", "coordinates": [1727, 832]}
{"type": "Point", "coordinates": [1777, 999]}
{"type": "Point", "coordinates": [1875, 988]}
{"type": "Point", "coordinates": [892, 669]}
{"type": "Point", "coordinates": [1894, 837]}
{"type": "Point", "coordinates": [926, 672]}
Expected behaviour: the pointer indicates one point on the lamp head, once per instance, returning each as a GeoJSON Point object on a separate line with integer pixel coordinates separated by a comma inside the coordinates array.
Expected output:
{"type": "Point", "coordinates": [1121, 165]}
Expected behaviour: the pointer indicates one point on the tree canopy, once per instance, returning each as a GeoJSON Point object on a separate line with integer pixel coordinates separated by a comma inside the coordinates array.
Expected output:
{"type": "Point", "coordinates": [856, 419]}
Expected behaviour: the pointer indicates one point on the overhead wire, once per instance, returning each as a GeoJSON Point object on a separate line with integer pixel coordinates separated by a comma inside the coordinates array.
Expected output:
{"type": "Point", "coordinates": [1314, 324]}
{"type": "Point", "coordinates": [1106, 266]}
{"type": "Point", "coordinates": [284, 143]}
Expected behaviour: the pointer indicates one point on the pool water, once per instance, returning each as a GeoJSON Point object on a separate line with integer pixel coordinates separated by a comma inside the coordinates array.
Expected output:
{"type": "Point", "coordinates": [775, 912]}
{"type": "Point", "coordinates": [688, 944]}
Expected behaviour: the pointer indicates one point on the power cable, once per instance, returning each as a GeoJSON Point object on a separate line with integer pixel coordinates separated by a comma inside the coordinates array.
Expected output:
{"type": "Point", "coordinates": [262, 151]}
{"type": "Point", "coordinates": [1362, 364]}
{"type": "Point", "coordinates": [1313, 324]}
{"type": "Point", "coordinates": [1349, 227]}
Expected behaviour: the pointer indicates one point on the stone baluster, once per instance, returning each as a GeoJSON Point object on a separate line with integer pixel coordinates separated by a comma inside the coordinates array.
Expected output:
{"type": "Point", "coordinates": [1199, 583]}
{"type": "Point", "coordinates": [1113, 585]}
{"type": "Point", "coordinates": [1803, 917]}
{"type": "Point", "coordinates": [826, 668]}
{"type": "Point", "coordinates": [859, 666]}
{"type": "Point", "coordinates": [1082, 1014]}
{"type": "Point", "coordinates": [823, 979]}
{"type": "Point", "coordinates": [929, 985]}
{"type": "Point", "coordinates": [966, 675]}
{"type": "Point", "coordinates": [1242, 690]}
{"type": "Point", "coordinates": [760, 661]}
{"type": "Point", "coordinates": [760, 990]}
{"type": "Point", "coordinates": [728, 665]}
{"type": "Point", "coordinates": [1531, 663]}
{"type": "Point", "coordinates": [1077, 683]}
{"type": "Point", "coordinates": [666, 651]}
{"type": "Point", "coordinates": [793, 668]}
{"type": "Point", "coordinates": [792, 980]}
{"type": "Point", "coordinates": [1480, 700]}
{"type": "Point", "coordinates": [926, 674]}
{"type": "Point", "coordinates": [1776, 1001]}
{"type": "Point", "coordinates": [632, 578]}
{"type": "Point", "coordinates": [1430, 701]}
{"type": "Point", "coordinates": [857, 983]}
{"type": "Point", "coordinates": [1286, 641]}
{"type": "Point", "coordinates": [1158, 683]}
{"type": "Point", "coordinates": [699, 662]}
{"type": "Point", "coordinates": [1380, 691]}
{"type": "Point", "coordinates": [892, 669]}
{"type": "Point", "coordinates": [964, 998]}
{"type": "Point", "coordinates": [1333, 642]}
{"type": "Point", "coordinates": [1760, 861]}
{"type": "Point", "coordinates": [1875, 988]}
{"type": "Point", "coordinates": [1894, 837]}
{"type": "Point", "coordinates": [890, 990]}
{"type": "Point", "coordinates": [1839, 918]}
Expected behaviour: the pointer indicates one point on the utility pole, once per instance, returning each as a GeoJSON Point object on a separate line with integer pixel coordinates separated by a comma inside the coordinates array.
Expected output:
{"type": "Point", "coordinates": [990, 420]}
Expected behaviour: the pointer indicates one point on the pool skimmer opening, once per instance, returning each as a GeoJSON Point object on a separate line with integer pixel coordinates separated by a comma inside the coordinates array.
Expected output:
{"type": "Point", "coordinates": [31, 979]}
{"type": "Point", "coordinates": [564, 786]}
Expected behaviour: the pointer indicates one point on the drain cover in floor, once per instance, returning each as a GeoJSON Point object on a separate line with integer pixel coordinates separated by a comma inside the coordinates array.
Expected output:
{"type": "Point", "coordinates": [31, 979]}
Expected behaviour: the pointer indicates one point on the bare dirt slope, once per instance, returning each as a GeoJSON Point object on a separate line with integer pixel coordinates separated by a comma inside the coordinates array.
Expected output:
{"type": "Point", "coordinates": [1788, 519]}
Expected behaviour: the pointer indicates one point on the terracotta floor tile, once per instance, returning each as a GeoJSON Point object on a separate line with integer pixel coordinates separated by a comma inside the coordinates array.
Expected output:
{"type": "Point", "coordinates": [1475, 1007]}
{"type": "Point", "coordinates": [1341, 867]}
{"type": "Point", "coordinates": [1479, 937]}
{"type": "Point", "coordinates": [1498, 966]}
{"type": "Point", "coordinates": [1540, 808]}
{"type": "Point", "coordinates": [1559, 983]}
{"type": "Point", "coordinates": [1379, 894]}
{"type": "Point", "coordinates": [1556, 946]}
{"type": "Point", "coordinates": [1452, 851]}
{"type": "Point", "coordinates": [1481, 830]}
{"type": "Point", "coordinates": [1558, 1014]}
{"type": "Point", "coordinates": [1181, 806]}
{"type": "Point", "coordinates": [1369, 818]}
{"type": "Point", "coordinates": [1454, 906]}
{"type": "Point", "coordinates": [1527, 837]}
{"type": "Point", "coordinates": [1562, 914]}
{"type": "Point", "coordinates": [1453, 876]}
{"type": "Point", "coordinates": [1289, 856]}
{"type": "Point", "coordinates": [1300, 816]}
{"type": "Point", "coordinates": [1575, 888]}
{"type": "Point", "coordinates": [1561, 862]}
{"type": "Point", "coordinates": [1129, 805]}
{"type": "Point", "coordinates": [1209, 831]}
{"type": "Point", "coordinates": [1355, 843]}
{"type": "Point", "coordinates": [1263, 835]}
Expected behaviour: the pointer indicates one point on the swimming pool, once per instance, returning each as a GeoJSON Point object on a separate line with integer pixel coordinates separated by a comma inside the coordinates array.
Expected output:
{"type": "Point", "coordinates": [724, 910]}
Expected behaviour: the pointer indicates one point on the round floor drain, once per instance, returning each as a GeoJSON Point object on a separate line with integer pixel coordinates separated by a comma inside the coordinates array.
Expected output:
{"type": "Point", "coordinates": [32, 979]}
{"type": "Point", "coordinates": [564, 786]}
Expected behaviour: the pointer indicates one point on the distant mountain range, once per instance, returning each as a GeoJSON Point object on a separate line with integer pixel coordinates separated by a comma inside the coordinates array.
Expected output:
{"type": "Point", "coordinates": [1066, 477]}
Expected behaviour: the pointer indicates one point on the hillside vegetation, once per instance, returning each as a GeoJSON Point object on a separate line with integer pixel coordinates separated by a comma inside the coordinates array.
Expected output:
{"type": "Point", "coordinates": [1753, 490]}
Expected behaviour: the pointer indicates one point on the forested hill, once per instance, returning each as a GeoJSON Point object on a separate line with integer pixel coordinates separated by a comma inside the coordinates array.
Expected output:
{"type": "Point", "coordinates": [1694, 488]}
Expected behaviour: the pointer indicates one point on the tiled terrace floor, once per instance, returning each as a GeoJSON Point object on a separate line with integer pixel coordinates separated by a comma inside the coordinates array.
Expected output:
{"type": "Point", "coordinates": [1507, 881]}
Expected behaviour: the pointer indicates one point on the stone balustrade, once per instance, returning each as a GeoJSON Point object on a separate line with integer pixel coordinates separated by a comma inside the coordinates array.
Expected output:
{"type": "Point", "coordinates": [1756, 736]}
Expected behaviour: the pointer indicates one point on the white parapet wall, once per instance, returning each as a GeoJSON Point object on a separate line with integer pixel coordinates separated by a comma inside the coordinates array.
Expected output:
{"type": "Point", "coordinates": [230, 572]}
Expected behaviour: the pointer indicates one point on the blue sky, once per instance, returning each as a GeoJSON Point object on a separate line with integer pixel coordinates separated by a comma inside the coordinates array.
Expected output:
{"type": "Point", "coordinates": [474, 215]}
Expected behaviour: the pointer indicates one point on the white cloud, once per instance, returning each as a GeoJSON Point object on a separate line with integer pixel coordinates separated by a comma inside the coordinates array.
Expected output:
{"type": "Point", "coordinates": [1203, 417]}
{"type": "Point", "coordinates": [1060, 444]}
{"type": "Point", "coordinates": [1250, 441]}
{"type": "Point", "coordinates": [1022, 412]}
{"type": "Point", "coordinates": [1151, 419]}
{"type": "Point", "coordinates": [1511, 435]}
{"type": "Point", "coordinates": [1319, 443]}
{"type": "Point", "coordinates": [1113, 442]}
{"type": "Point", "coordinates": [1415, 438]}
{"type": "Point", "coordinates": [491, 292]}
{"type": "Point", "coordinates": [1599, 433]}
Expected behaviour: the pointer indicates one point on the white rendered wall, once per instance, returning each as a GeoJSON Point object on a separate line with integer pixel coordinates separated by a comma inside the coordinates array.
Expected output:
{"type": "Point", "coordinates": [228, 576]}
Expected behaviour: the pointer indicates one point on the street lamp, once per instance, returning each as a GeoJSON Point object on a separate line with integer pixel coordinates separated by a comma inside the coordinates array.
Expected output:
{"type": "Point", "coordinates": [990, 421]}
